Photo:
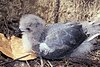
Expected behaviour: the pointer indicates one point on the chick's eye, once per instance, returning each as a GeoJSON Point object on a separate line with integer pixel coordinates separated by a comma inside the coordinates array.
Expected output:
{"type": "Point", "coordinates": [28, 29]}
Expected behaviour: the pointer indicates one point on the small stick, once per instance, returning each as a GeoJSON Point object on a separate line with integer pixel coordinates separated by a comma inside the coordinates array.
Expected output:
{"type": "Point", "coordinates": [14, 60]}
{"type": "Point", "coordinates": [92, 37]}
{"type": "Point", "coordinates": [41, 61]}
{"type": "Point", "coordinates": [28, 64]}
{"type": "Point", "coordinates": [49, 63]}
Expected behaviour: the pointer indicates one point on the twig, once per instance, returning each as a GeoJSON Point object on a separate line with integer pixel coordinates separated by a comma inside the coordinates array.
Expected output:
{"type": "Point", "coordinates": [41, 61]}
{"type": "Point", "coordinates": [49, 63]}
{"type": "Point", "coordinates": [14, 60]}
{"type": "Point", "coordinates": [92, 37]}
{"type": "Point", "coordinates": [56, 11]}
{"type": "Point", "coordinates": [28, 64]}
{"type": "Point", "coordinates": [83, 61]}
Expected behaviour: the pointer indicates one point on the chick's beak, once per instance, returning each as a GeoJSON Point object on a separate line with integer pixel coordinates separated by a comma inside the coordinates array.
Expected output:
{"type": "Point", "coordinates": [18, 31]}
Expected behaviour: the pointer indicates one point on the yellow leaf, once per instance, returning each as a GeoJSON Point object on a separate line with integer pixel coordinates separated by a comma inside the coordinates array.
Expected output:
{"type": "Point", "coordinates": [13, 48]}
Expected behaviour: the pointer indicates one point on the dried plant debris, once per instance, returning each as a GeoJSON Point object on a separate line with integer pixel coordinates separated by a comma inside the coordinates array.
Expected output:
{"type": "Point", "coordinates": [11, 10]}
{"type": "Point", "coordinates": [13, 48]}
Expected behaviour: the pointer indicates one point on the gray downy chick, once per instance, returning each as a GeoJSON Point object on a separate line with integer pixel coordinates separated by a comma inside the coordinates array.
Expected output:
{"type": "Point", "coordinates": [62, 40]}
{"type": "Point", "coordinates": [32, 27]}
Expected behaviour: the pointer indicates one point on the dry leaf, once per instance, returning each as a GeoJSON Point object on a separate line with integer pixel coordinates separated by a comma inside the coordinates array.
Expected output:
{"type": "Point", "coordinates": [13, 48]}
{"type": "Point", "coordinates": [5, 47]}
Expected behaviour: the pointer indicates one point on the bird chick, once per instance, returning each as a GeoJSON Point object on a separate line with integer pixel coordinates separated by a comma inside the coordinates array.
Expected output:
{"type": "Point", "coordinates": [55, 41]}
{"type": "Point", "coordinates": [31, 26]}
